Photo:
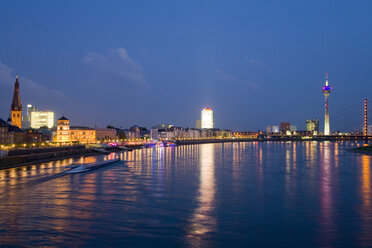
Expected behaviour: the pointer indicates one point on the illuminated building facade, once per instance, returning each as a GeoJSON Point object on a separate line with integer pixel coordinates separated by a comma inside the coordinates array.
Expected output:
{"type": "Point", "coordinates": [63, 130]}
{"type": "Point", "coordinates": [272, 129]}
{"type": "Point", "coordinates": [207, 118]}
{"type": "Point", "coordinates": [42, 119]}
{"type": "Point", "coordinates": [312, 125]}
{"type": "Point", "coordinates": [82, 134]}
{"type": "Point", "coordinates": [326, 92]}
{"type": "Point", "coordinates": [65, 133]}
{"type": "Point", "coordinates": [16, 108]}
{"type": "Point", "coordinates": [246, 135]}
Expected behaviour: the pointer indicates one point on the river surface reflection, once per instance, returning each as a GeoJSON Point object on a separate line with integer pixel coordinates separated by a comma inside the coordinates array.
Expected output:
{"type": "Point", "coordinates": [257, 194]}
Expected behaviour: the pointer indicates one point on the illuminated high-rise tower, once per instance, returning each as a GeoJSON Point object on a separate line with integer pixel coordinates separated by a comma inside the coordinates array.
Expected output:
{"type": "Point", "coordinates": [326, 91]}
{"type": "Point", "coordinates": [16, 107]}
{"type": "Point", "coordinates": [207, 118]}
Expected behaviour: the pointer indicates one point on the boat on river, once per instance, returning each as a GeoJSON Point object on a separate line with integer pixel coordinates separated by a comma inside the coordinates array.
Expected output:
{"type": "Point", "coordinates": [88, 167]}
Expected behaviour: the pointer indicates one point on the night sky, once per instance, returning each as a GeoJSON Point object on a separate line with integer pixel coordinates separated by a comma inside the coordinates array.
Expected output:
{"type": "Point", "coordinates": [256, 63]}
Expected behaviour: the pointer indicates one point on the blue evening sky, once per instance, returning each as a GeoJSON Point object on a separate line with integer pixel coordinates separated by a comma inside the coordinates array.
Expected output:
{"type": "Point", "coordinates": [256, 63]}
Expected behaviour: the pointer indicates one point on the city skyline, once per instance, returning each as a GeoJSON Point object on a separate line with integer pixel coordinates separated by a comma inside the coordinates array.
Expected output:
{"type": "Point", "coordinates": [37, 119]}
{"type": "Point", "coordinates": [164, 123]}
{"type": "Point", "coordinates": [245, 78]}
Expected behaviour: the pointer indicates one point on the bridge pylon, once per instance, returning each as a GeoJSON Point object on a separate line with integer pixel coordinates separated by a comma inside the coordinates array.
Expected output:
{"type": "Point", "coordinates": [365, 117]}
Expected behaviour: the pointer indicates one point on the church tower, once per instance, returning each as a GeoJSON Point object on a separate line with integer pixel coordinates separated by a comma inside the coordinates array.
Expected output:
{"type": "Point", "coordinates": [16, 108]}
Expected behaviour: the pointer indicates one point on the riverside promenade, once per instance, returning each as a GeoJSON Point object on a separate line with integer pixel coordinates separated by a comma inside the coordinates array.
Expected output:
{"type": "Point", "coordinates": [23, 157]}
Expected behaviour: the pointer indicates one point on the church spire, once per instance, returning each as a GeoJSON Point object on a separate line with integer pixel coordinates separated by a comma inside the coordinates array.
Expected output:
{"type": "Point", "coordinates": [16, 104]}
{"type": "Point", "coordinates": [16, 108]}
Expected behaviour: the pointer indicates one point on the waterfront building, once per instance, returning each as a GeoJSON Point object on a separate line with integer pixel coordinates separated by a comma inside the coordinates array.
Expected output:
{"type": "Point", "coordinates": [16, 107]}
{"type": "Point", "coordinates": [223, 133]}
{"type": "Point", "coordinates": [312, 125]}
{"type": "Point", "coordinates": [207, 133]}
{"type": "Point", "coordinates": [137, 132]}
{"type": "Point", "coordinates": [42, 119]}
{"type": "Point", "coordinates": [168, 133]}
{"type": "Point", "coordinates": [284, 127]}
{"type": "Point", "coordinates": [326, 92]}
{"type": "Point", "coordinates": [34, 136]}
{"type": "Point", "coordinates": [246, 135]}
{"type": "Point", "coordinates": [134, 132]}
{"type": "Point", "coordinates": [47, 133]}
{"type": "Point", "coordinates": [103, 134]}
{"type": "Point", "coordinates": [17, 135]}
{"type": "Point", "coordinates": [193, 133]}
{"type": "Point", "coordinates": [154, 133]}
{"type": "Point", "coordinates": [65, 133]}
{"type": "Point", "coordinates": [207, 118]}
{"type": "Point", "coordinates": [160, 134]}
{"type": "Point", "coordinates": [197, 124]}
{"type": "Point", "coordinates": [82, 134]}
{"type": "Point", "coordinates": [272, 129]}
{"type": "Point", "coordinates": [63, 130]}
{"type": "Point", "coordinates": [292, 128]}
{"type": "Point", "coordinates": [14, 135]}
{"type": "Point", "coordinates": [4, 132]}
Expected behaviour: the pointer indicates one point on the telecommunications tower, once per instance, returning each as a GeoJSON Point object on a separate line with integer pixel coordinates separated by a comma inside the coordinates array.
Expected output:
{"type": "Point", "coordinates": [326, 91]}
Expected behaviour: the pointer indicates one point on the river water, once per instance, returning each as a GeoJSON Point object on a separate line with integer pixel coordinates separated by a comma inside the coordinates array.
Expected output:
{"type": "Point", "coordinates": [253, 194]}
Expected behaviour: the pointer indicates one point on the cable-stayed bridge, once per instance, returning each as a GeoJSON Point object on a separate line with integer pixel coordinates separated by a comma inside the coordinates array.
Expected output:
{"type": "Point", "coordinates": [348, 123]}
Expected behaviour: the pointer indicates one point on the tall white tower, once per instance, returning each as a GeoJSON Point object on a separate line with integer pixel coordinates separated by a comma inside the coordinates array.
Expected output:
{"type": "Point", "coordinates": [326, 91]}
{"type": "Point", "coordinates": [207, 118]}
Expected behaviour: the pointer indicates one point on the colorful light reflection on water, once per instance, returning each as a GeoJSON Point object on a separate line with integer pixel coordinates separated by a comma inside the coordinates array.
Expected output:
{"type": "Point", "coordinates": [273, 194]}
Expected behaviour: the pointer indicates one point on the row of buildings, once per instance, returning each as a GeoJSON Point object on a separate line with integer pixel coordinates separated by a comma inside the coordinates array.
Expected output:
{"type": "Point", "coordinates": [38, 126]}
{"type": "Point", "coordinates": [173, 132]}
{"type": "Point", "coordinates": [312, 127]}
{"type": "Point", "coordinates": [10, 134]}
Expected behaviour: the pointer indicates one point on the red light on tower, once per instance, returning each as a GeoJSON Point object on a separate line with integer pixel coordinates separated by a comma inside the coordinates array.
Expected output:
{"type": "Point", "coordinates": [365, 118]}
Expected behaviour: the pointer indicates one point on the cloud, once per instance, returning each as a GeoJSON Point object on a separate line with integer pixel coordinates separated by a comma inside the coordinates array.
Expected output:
{"type": "Point", "coordinates": [229, 78]}
{"type": "Point", "coordinates": [254, 62]}
{"type": "Point", "coordinates": [31, 92]}
{"type": "Point", "coordinates": [117, 65]}
{"type": "Point", "coordinates": [5, 74]}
